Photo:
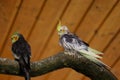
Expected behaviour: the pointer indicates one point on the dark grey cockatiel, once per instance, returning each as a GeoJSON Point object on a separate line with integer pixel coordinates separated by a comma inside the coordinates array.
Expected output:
{"type": "Point", "coordinates": [72, 43]}
{"type": "Point", "coordinates": [22, 53]}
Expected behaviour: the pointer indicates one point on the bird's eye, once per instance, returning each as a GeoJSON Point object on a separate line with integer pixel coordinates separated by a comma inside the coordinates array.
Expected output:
{"type": "Point", "coordinates": [12, 38]}
{"type": "Point", "coordinates": [60, 29]}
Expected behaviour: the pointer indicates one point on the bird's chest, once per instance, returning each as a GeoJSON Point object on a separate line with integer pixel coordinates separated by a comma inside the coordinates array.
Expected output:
{"type": "Point", "coordinates": [18, 48]}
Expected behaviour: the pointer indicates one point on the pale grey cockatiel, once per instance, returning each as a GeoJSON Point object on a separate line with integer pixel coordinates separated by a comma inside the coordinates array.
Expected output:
{"type": "Point", "coordinates": [71, 42]}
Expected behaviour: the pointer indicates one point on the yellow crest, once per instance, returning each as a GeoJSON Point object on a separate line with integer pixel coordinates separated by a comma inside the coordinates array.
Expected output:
{"type": "Point", "coordinates": [59, 26]}
{"type": "Point", "coordinates": [15, 33]}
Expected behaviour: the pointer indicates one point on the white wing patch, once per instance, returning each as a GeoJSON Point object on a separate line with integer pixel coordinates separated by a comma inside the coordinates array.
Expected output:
{"type": "Point", "coordinates": [16, 57]}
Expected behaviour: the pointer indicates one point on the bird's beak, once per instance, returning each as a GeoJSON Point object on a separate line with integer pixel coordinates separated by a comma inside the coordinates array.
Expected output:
{"type": "Point", "coordinates": [59, 26]}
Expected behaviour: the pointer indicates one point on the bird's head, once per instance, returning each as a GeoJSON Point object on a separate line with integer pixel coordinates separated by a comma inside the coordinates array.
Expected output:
{"type": "Point", "coordinates": [15, 37]}
{"type": "Point", "coordinates": [62, 29]}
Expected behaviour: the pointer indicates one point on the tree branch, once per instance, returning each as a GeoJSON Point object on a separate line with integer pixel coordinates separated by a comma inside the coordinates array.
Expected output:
{"type": "Point", "coordinates": [58, 61]}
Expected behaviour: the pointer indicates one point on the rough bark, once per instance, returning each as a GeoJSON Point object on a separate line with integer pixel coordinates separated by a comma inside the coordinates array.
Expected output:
{"type": "Point", "coordinates": [58, 61]}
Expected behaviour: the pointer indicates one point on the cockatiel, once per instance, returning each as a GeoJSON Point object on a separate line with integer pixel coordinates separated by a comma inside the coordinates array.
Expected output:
{"type": "Point", "coordinates": [72, 43]}
{"type": "Point", "coordinates": [22, 53]}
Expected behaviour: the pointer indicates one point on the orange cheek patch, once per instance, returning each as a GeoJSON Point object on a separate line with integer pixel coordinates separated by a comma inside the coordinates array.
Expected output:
{"type": "Point", "coordinates": [63, 31]}
{"type": "Point", "coordinates": [15, 38]}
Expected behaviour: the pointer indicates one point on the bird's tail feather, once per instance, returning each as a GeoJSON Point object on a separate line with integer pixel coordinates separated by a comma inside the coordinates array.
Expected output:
{"type": "Point", "coordinates": [27, 74]}
{"type": "Point", "coordinates": [24, 69]}
{"type": "Point", "coordinates": [93, 57]}
{"type": "Point", "coordinates": [96, 61]}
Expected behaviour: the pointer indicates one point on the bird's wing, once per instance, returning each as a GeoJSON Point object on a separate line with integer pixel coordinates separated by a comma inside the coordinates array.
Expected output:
{"type": "Point", "coordinates": [24, 67]}
{"type": "Point", "coordinates": [26, 60]}
{"type": "Point", "coordinates": [71, 41]}
{"type": "Point", "coordinates": [28, 49]}
{"type": "Point", "coordinates": [90, 51]}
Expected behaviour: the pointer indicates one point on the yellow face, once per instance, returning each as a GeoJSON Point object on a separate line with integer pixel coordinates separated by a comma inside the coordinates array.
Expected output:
{"type": "Point", "coordinates": [14, 38]}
